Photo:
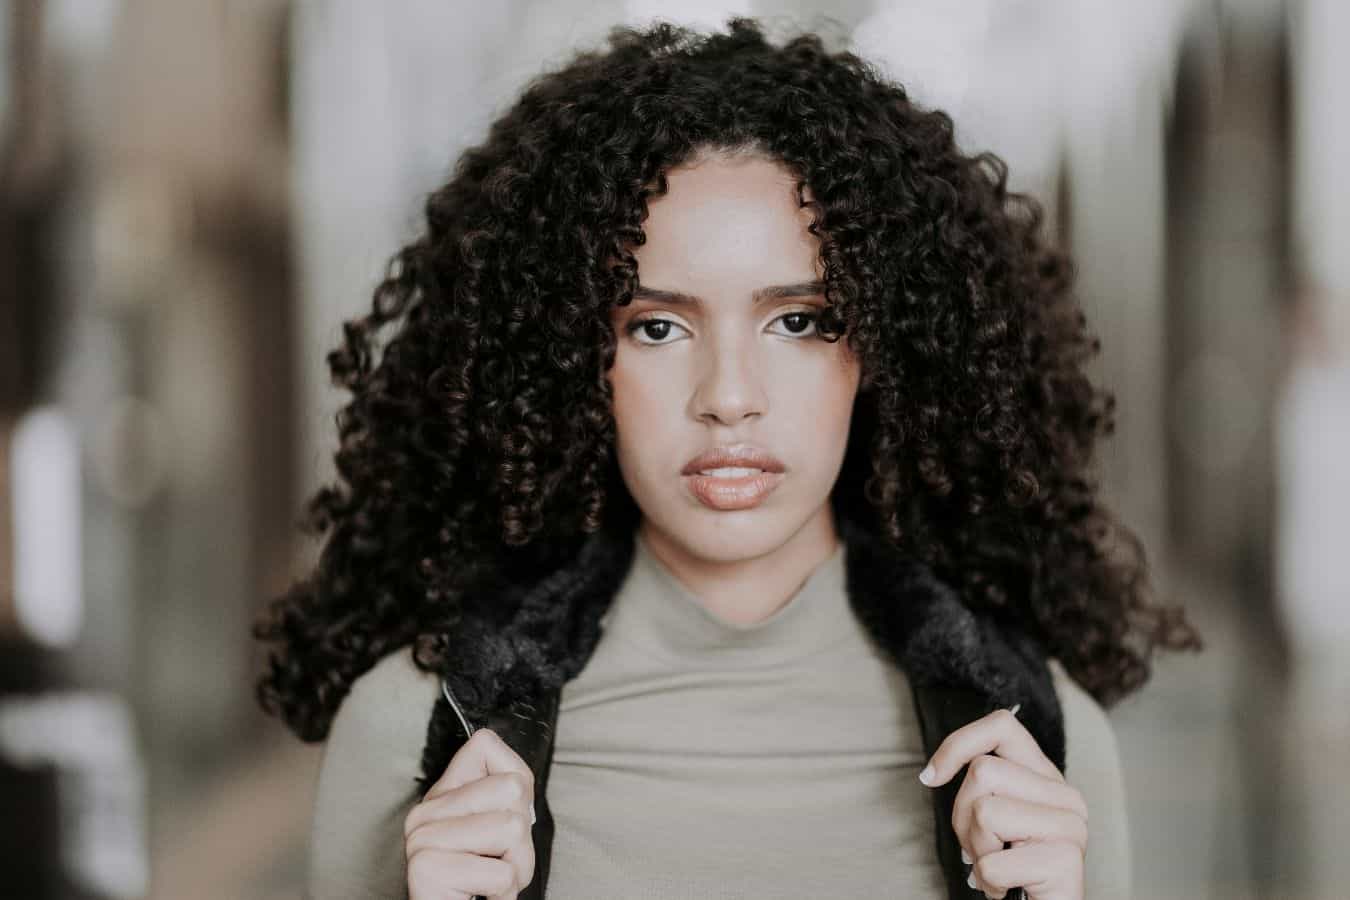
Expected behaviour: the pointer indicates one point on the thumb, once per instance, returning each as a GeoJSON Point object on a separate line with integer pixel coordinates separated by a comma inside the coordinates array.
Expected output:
{"type": "Point", "coordinates": [484, 753]}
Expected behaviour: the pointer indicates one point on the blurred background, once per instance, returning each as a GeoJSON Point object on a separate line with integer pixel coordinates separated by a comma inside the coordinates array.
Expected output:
{"type": "Point", "coordinates": [195, 193]}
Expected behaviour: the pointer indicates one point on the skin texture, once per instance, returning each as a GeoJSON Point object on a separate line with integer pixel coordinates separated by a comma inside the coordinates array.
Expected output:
{"type": "Point", "coordinates": [722, 369]}
{"type": "Point", "coordinates": [1013, 792]}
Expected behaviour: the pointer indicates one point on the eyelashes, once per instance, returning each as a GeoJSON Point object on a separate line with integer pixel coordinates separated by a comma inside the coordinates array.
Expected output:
{"type": "Point", "coordinates": [643, 327]}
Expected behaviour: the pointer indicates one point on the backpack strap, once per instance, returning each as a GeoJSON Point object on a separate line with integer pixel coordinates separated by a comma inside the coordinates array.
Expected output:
{"type": "Point", "coordinates": [527, 726]}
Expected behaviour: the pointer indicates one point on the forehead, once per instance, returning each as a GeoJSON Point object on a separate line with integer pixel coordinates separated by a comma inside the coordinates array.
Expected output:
{"type": "Point", "coordinates": [727, 219]}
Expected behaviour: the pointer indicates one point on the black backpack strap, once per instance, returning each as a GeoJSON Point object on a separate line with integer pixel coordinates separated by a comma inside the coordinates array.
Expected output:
{"type": "Point", "coordinates": [527, 727]}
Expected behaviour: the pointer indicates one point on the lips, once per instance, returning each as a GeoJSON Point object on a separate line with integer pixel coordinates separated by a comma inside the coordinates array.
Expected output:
{"type": "Point", "coordinates": [737, 477]}
{"type": "Point", "coordinates": [738, 456]}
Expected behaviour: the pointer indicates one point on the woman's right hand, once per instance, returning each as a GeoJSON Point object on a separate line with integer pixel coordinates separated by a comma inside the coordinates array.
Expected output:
{"type": "Point", "coordinates": [471, 834]}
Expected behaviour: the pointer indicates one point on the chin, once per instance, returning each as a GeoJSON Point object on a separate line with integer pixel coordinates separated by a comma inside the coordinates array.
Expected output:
{"type": "Point", "coordinates": [729, 536]}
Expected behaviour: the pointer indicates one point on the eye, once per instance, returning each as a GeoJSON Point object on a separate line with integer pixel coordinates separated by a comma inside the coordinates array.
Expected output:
{"type": "Point", "coordinates": [651, 330]}
{"type": "Point", "coordinates": [799, 323]}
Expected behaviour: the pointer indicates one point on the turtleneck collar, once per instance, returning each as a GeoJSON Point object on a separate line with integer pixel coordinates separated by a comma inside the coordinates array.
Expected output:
{"type": "Point", "coordinates": [501, 673]}
{"type": "Point", "coordinates": [655, 609]}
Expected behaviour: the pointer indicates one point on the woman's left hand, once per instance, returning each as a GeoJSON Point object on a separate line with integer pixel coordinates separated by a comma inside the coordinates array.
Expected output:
{"type": "Point", "coordinates": [1013, 792]}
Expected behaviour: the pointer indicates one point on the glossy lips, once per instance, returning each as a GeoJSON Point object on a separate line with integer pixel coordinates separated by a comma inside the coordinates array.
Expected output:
{"type": "Point", "coordinates": [733, 491]}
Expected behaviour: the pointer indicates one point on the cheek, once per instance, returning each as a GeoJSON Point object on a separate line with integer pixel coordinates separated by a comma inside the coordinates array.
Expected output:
{"type": "Point", "coordinates": [641, 401]}
{"type": "Point", "coordinates": [819, 402]}
{"type": "Point", "coordinates": [831, 433]}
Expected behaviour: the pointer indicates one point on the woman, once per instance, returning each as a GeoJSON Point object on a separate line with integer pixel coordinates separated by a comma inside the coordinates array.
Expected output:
{"type": "Point", "coordinates": [717, 463]}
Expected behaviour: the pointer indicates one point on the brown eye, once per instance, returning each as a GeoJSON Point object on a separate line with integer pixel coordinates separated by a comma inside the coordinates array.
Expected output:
{"type": "Point", "coordinates": [651, 330]}
{"type": "Point", "coordinates": [656, 329]}
{"type": "Point", "coordinates": [798, 324]}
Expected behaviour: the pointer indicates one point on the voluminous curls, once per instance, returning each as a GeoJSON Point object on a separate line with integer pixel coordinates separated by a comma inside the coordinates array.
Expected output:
{"type": "Point", "coordinates": [477, 446]}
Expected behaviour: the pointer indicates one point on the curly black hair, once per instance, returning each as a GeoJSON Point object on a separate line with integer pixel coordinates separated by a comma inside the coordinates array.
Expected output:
{"type": "Point", "coordinates": [478, 440]}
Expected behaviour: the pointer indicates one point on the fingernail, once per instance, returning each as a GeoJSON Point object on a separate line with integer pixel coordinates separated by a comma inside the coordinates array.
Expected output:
{"type": "Point", "coordinates": [965, 857]}
{"type": "Point", "coordinates": [532, 816]}
{"type": "Point", "coordinates": [1014, 708]}
{"type": "Point", "coordinates": [970, 879]}
{"type": "Point", "coordinates": [926, 776]}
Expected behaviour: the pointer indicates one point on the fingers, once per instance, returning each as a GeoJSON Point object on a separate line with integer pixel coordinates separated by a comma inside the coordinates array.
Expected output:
{"type": "Point", "coordinates": [485, 753]}
{"type": "Point", "coordinates": [471, 833]}
{"type": "Point", "coordinates": [995, 819]}
{"type": "Point", "coordinates": [499, 833]}
{"type": "Point", "coordinates": [505, 791]}
{"type": "Point", "coordinates": [999, 732]}
{"type": "Point", "coordinates": [993, 775]}
{"type": "Point", "coordinates": [1012, 793]}
{"type": "Point", "coordinates": [454, 875]}
{"type": "Point", "coordinates": [1045, 869]}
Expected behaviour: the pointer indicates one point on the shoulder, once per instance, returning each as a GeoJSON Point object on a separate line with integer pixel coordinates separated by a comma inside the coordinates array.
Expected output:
{"type": "Point", "coordinates": [389, 693]}
{"type": "Point", "coordinates": [382, 722]}
{"type": "Point", "coordinates": [1087, 728]}
{"type": "Point", "coordinates": [1093, 766]}
{"type": "Point", "coordinates": [367, 780]}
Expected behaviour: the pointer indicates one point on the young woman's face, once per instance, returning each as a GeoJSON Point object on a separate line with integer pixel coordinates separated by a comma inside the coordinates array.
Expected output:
{"type": "Point", "coordinates": [718, 350]}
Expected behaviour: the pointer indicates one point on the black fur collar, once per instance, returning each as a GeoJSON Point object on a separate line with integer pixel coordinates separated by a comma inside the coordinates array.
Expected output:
{"type": "Point", "coordinates": [939, 642]}
{"type": "Point", "coordinates": [917, 619]}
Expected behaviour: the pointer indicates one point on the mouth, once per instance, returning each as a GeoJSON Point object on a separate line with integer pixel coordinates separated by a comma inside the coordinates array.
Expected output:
{"type": "Point", "coordinates": [733, 457]}
{"type": "Point", "coordinates": [733, 488]}
{"type": "Point", "coordinates": [734, 477]}
{"type": "Point", "coordinates": [731, 472]}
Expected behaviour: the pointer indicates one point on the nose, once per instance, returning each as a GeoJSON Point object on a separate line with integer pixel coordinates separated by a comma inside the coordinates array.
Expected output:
{"type": "Point", "coordinates": [730, 389]}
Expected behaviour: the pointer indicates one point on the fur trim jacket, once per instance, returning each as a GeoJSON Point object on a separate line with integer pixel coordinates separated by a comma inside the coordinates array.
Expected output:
{"type": "Point", "coordinates": [508, 675]}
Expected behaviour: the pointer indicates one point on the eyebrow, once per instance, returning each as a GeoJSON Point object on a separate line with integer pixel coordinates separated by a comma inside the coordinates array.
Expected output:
{"type": "Point", "coordinates": [762, 295]}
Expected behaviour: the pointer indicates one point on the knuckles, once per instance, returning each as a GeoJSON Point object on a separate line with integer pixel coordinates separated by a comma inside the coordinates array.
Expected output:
{"type": "Point", "coordinates": [517, 828]}
{"type": "Point", "coordinates": [982, 808]}
{"type": "Point", "coordinates": [483, 736]}
{"type": "Point", "coordinates": [427, 878]}
{"type": "Point", "coordinates": [1080, 836]}
{"type": "Point", "coordinates": [1080, 807]}
{"type": "Point", "coordinates": [980, 772]}
{"type": "Point", "coordinates": [1073, 856]}
{"type": "Point", "coordinates": [518, 789]}
{"type": "Point", "coordinates": [987, 878]}
{"type": "Point", "coordinates": [504, 881]}
{"type": "Point", "coordinates": [506, 827]}
{"type": "Point", "coordinates": [415, 817]}
{"type": "Point", "coordinates": [416, 842]}
{"type": "Point", "coordinates": [419, 861]}
{"type": "Point", "coordinates": [513, 790]}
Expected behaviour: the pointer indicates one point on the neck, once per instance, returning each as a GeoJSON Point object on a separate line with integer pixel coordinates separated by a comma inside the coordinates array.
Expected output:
{"type": "Point", "coordinates": [748, 590]}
